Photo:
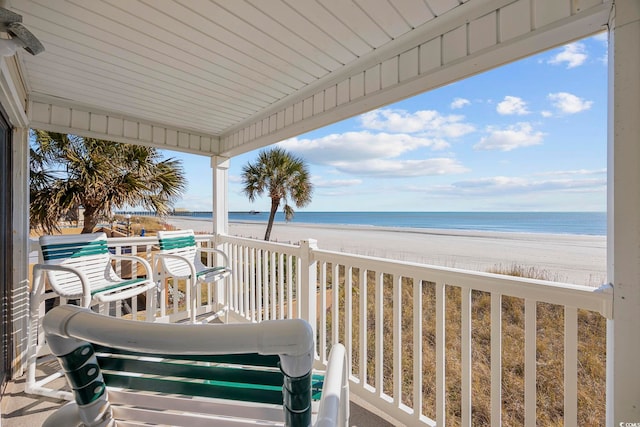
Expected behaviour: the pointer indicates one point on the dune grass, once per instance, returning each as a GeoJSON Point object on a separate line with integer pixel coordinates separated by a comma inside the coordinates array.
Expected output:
{"type": "Point", "coordinates": [549, 344]}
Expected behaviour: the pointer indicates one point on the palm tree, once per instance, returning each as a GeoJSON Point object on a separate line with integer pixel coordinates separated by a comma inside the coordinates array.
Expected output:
{"type": "Point", "coordinates": [283, 176]}
{"type": "Point", "coordinates": [68, 171]}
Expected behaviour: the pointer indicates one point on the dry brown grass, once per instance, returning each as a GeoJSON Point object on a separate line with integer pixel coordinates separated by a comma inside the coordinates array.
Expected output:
{"type": "Point", "coordinates": [550, 351]}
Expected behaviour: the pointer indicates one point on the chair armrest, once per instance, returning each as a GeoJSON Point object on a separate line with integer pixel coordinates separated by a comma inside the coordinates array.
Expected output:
{"type": "Point", "coordinates": [217, 251]}
{"type": "Point", "coordinates": [144, 262]}
{"type": "Point", "coordinates": [84, 281]}
{"type": "Point", "coordinates": [334, 403]}
{"type": "Point", "coordinates": [192, 267]}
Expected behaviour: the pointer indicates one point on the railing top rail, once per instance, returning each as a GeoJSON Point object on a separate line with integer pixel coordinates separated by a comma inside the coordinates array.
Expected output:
{"type": "Point", "coordinates": [579, 296]}
{"type": "Point", "coordinates": [259, 244]}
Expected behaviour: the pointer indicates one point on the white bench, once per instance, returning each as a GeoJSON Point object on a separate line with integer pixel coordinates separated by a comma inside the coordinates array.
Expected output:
{"type": "Point", "coordinates": [243, 374]}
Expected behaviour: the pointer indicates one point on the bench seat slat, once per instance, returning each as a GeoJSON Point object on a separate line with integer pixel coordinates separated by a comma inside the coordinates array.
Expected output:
{"type": "Point", "coordinates": [249, 359]}
{"type": "Point", "coordinates": [208, 388]}
{"type": "Point", "coordinates": [187, 370]}
{"type": "Point", "coordinates": [196, 405]}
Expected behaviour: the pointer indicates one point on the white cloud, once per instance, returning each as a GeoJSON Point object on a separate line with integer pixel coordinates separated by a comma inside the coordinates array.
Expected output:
{"type": "Point", "coordinates": [356, 146]}
{"type": "Point", "coordinates": [512, 105]}
{"type": "Point", "coordinates": [402, 168]}
{"type": "Point", "coordinates": [546, 113]}
{"type": "Point", "coordinates": [502, 185]}
{"type": "Point", "coordinates": [459, 103]}
{"type": "Point", "coordinates": [429, 122]}
{"type": "Point", "coordinates": [572, 54]}
{"type": "Point", "coordinates": [516, 136]}
{"type": "Point", "coordinates": [196, 202]}
{"type": "Point", "coordinates": [568, 103]}
{"type": "Point", "coordinates": [336, 183]}
{"type": "Point", "coordinates": [576, 172]}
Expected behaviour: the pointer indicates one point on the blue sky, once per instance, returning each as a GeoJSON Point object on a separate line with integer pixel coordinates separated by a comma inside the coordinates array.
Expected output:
{"type": "Point", "coordinates": [528, 136]}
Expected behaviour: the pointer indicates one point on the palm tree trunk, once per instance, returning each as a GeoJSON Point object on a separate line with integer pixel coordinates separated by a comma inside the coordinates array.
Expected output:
{"type": "Point", "coordinates": [272, 216]}
{"type": "Point", "coordinates": [90, 220]}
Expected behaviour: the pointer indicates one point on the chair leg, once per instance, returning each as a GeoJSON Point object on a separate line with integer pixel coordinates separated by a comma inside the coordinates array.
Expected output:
{"type": "Point", "coordinates": [35, 341]}
{"type": "Point", "coordinates": [151, 304]}
{"type": "Point", "coordinates": [191, 291]}
{"type": "Point", "coordinates": [227, 296]}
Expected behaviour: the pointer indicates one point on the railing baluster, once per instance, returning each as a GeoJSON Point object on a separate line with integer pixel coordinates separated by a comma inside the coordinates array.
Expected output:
{"type": "Point", "coordinates": [397, 340]}
{"type": "Point", "coordinates": [299, 268]}
{"type": "Point", "coordinates": [335, 303]}
{"type": "Point", "coordinates": [417, 348]}
{"type": "Point", "coordinates": [274, 287]}
{"type": "Point", "coordinates": [235, 278]}
{"type": "Point", "coordinates": [266, 283]}
{"type": "Point", "coordinates": [248, 314]}
{"type": "Point", "coordinates": [258, 284]}
{"type": "Point", "coordinates": [362, 284]}
{"type": "Point", "coordinates": [118, 262]}
{"type": "Point", "coordinates": [570, 366]}
{"type": "Point", "coordinates": [252, 284]}
{"type": "Point", "coordinates": [290, 285]}
{"type": "Point", "coordinates": [441, 391]}
{"type": "Point", "coordinates": [323, 312]}
{"type": "Point", "coordinates": [496, 359]}
{"type": "Point", "coordinates": [348, 316]}
{"type": "Point", "coordinates": [530, 332]}
{"type": "Point", "coordinates": [163, 294]}
{"type": "Point", "coordinates": [465, 294]}
{"type": "Point", "coordinates": [262, 289]}
{"type": "Point", "coordinates": [379, 310]}
{"type": "Point", "coordinates": [281, 298]}
{"type": "Point", "coordinates": [238, 278]}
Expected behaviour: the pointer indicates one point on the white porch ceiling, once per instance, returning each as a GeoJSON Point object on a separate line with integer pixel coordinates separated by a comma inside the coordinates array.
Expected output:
{"type": "Point", "coordinates": [222, 77]}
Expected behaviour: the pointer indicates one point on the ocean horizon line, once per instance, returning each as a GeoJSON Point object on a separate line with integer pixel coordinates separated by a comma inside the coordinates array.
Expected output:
{"type": "Point", "coordinates": [562, 222]}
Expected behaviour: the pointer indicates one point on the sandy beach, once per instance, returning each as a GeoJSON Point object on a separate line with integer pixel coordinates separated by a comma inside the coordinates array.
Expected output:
{"type": "Point", "coordinates": [577, 259]}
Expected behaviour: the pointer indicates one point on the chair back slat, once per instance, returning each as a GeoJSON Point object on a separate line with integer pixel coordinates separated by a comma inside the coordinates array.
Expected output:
{"type": "Point", "coordinates": [177, 242]}
{"type": "Point", "coordinates": [74, 250]}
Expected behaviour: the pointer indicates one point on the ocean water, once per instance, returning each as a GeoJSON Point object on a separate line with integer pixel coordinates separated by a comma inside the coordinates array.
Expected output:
{"type": "Point", "coordinates": [589, 223]}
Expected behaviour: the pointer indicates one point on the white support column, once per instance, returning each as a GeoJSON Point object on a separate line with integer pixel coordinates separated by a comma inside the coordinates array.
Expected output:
{"type": "Point", "coordinates": [220, 166]}
{"type": "Point", "coordinates": [623, 332]}
{"type": "Point", "coordinates": [20, 289]}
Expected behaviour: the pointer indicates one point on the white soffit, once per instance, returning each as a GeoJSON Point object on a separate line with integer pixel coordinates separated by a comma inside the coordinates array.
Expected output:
{"type": "Point", "coordinates": [228, 76]}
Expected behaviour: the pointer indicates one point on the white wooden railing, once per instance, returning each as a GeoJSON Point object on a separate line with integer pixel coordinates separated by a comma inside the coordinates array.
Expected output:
{"type": "Point", "coordinates": [400, 351]}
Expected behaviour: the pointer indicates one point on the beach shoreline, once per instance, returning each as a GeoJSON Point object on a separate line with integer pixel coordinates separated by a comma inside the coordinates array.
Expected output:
{"type": "Point", "coordinates": [571, 258]}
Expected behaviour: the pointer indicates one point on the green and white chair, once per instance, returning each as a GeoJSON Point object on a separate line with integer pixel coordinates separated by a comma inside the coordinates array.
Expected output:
{"type": "Point", "coordinates": [180, 258]}
{"type": "Point", "coordinates": [80, 267]}
{"type": "Point", "coordinates": [127, 373]}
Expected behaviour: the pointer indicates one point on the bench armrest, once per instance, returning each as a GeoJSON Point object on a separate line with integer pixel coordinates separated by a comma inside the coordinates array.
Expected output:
{"type": "Point", "coordinates": [215, 251]}
{"type": "Point", "coordinates": [38, 269]}
{"type": "Point", "coordinates": [192, 267]}
{"type": "Point", "coordinates": [134, 258]}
